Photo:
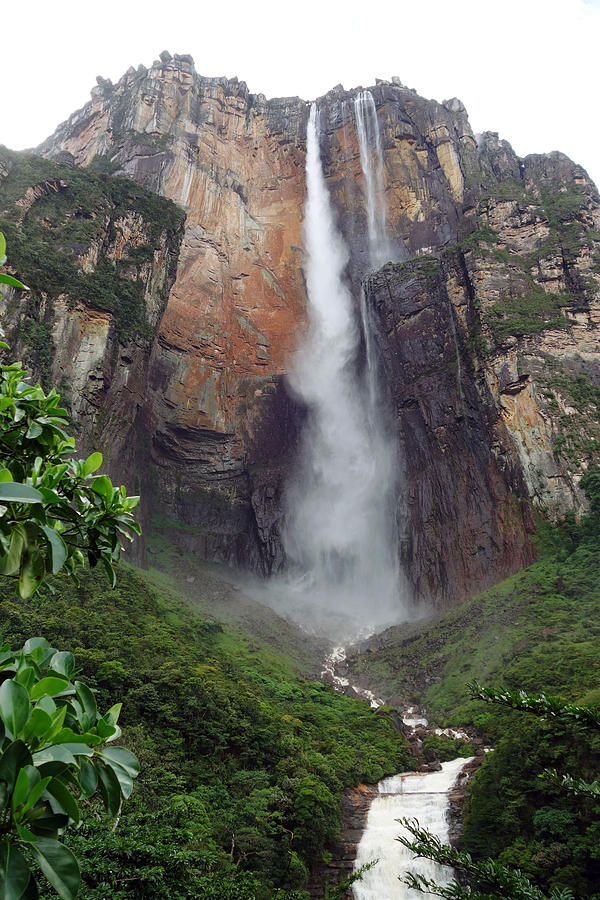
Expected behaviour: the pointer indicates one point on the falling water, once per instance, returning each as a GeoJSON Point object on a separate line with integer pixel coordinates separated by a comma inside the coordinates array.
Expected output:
{"type": "Point", "coordinates": [369, 139]}
{"type": "Point", "coordinates": [379, 245]}
{"type": "Point", "coordinates": [340, 536]}
{"type": "Point", "coordinates": [421, 797]}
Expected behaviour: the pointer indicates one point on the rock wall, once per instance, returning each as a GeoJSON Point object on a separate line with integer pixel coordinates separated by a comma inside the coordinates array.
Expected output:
{"type": "Point", "coordinates": [99, 256]}
{"type": "Point", "coordinates": [490, 348]}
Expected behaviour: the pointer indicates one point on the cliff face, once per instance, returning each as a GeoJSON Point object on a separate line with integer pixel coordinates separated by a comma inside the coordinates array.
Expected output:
{"type": "Point", "coordinates": [489, 348]}
{"type": "Point", "coordinates": [99, 256]}
{"type": "Point", "coordinates": [218, 420]}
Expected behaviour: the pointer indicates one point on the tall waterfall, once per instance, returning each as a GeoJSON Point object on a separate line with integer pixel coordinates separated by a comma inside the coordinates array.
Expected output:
{"type": "Point", "coordinates": [369, 139]}
{"type": "Point", "coordinates": [340, 534]}
{"type": "Point", "coordinates": [421, 797]}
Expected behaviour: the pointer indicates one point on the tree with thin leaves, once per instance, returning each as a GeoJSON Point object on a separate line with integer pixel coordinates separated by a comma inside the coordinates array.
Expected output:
{"type": "Point", "coordinates": [488, 879]}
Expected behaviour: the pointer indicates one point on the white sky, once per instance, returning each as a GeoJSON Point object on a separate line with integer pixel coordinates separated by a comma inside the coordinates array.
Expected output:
{"type": "Point", "coordinates": [524, 68]}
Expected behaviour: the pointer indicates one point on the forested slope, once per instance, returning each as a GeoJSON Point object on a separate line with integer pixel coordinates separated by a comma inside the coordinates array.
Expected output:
{"type": "Point", "coordinates": [242, 762]}
{"type": "Point", "coordinates": [536, 632]}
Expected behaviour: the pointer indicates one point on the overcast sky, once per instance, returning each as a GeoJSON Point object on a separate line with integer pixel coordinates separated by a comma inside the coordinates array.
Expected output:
{"type": "Point", "coordinates": [525, 68]}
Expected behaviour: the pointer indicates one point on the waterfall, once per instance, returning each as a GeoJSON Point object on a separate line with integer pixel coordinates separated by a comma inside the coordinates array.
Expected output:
{"type": "Point", "coordinates": [422, 797]}
{"type": "Point", "coordinates": [340, 536]}
{"type": "Point", "coordinates": [379, 246]}
{"type": "Point", "coordinates": [369, 138]}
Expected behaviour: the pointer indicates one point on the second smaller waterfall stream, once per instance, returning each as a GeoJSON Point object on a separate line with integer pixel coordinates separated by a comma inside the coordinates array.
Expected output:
{"type": "Point", "coordinates": [420, 796]}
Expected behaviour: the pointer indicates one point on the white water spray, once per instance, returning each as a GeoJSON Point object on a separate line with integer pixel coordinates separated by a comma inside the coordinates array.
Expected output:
{"type": "Point", "coordinates": [422, 797]}
{"type": "Point", "coordinates": [340, 532]}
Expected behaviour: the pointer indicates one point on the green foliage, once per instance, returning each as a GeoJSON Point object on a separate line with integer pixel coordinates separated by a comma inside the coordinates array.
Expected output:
{"type": "Point", "coordinates": [243, 763]}
{"type": "Point", "coordinates": [53, 509]}
{"type": "Point", "coordinates": [560, 848]}
{"type": "Point", "coordinates": [530, 313]}
{"type": "Point", "coordinates": [537, 629]}
{"type": "Point", "coordinates": [53, 740]}
{"type": "Point", "coordinates": [578, 437]}
{"type": "Point", "coordinates": [445, 748]}
{"type": "Point", "coordinates": [563, 206]}
{"type": "Point", "coordinates": [67, 211]}
{"type": "Point", "coordinates": [487, 879]}
{"type": "Point", "coordinates": [54, 753]}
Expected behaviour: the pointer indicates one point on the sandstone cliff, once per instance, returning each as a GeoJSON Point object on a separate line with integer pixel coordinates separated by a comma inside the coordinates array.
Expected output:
{"type": "Point", "coordinates": [490, 348]}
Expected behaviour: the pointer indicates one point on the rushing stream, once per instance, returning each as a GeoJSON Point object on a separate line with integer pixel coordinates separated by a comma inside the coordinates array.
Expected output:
{"type": "Point", "coordinates": [420, 796]}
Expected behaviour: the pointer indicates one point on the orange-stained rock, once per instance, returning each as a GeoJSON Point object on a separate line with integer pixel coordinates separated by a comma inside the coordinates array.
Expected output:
{"type": "Point", "coordinates": [213, 426]}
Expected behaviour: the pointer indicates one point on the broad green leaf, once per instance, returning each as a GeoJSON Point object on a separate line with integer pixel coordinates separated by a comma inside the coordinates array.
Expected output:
{"type": "Point", "coordinates": [58, 716]}
{"type": "Point", "coordinates": [102, 486]}
{"type": "Point", "coordinates": [2, 248]}
{"type": "Point", "coordinates": [27, 777]}
{"type": "Point", "coordinates": [12, 760]}
{"type": "Point", "coordinates": [31, 574]}
{"type": "Point", "coordinates": [35, 642]}
{"type": "Point", "coordinates": [63, 662]}
{"type": "Point", "coordinates": [113, 713]}
{"type": "Point", "coordinates": [25, 676]}
{"type": "Point", "coordinates": [12, 492]}
{"type": "Point", "coordinates": [59, 753]}
{"type": "Point", "coordinates": [38, 725]}
{"type": "Point", "coordinates": [26, 835]}
{"type": "Point", "coordinates": [110, 789]}
{"type": "Point", "coordinates": [67, 736]}
{"type": "Point", "coordinates": [36, 792]}
{"type": "Point", "coordinates": [63, 800]}
{"type": "Point", "coordinates": [77, 748]}
{"type": "Point", "coordinates": [106, 729]}
{"type": "Point", "coordinates": [88, 779]}
{"type": "Point", "coordinates": [34, 431]}
{"type": "Point", "coordinates": [14, 872]}
{"type": "Point", "coordinates": [5, 475]}
{"type": "Point", "coordinates": [124, 764]}
{"type": "Point", "coordinates": [59, 866]}
{"type": "Point", "coordinates": [47, 704]}
{"type": "Point", "coordinates": [88, 703]}
{"type": "Point", "coordinates": [92, 463]}
{"type": "Point", "coordinates": [14, 707]}
{"type": "Point", "coordinates": [110, 572]}
{"type": "Point", "coordinates": [51, 686]}
{"type": "Point", "coordinates": [48, 823]}
{"type": "Point", "coordinates": [10, 562]}
{"type": "Point", "coordinates": [58, 548]}
{"type": "Point", "coordinates": [122, 757]}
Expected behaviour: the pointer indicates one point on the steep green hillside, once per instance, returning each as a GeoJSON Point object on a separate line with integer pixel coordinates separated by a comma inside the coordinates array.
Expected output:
{"type": "Point", "coordinates": [243, 763]}
{"type": "Point", "coordinates": [537, 631]}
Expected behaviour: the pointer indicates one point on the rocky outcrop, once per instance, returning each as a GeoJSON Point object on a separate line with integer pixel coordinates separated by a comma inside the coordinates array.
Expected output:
{"type": "Point", "coordinates": [491, 352]}
{"type": "Point", "coordinates": [100, 258]}
{"type": "Point", "coordinates": [490, 355]}
{"type": "Point", "coordinates": [462, 530]}
{"type": "Point", "coordinates": [458, 795]}
{"type": "Point", "coordinates": [355, 809]}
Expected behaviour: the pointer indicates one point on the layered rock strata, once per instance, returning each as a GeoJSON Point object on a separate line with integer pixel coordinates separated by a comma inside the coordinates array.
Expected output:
{"type": "Point", "coordinates": [490, 351]}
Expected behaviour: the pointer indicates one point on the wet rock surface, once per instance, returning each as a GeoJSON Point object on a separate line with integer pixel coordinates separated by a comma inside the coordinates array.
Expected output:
{"type": "Point", "coordinates": [468, 374]}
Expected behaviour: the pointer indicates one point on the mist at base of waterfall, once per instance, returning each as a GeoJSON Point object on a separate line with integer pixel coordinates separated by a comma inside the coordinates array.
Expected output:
{"type": "Point", "coordinates": [340, 534]}
{"type": "Point", "coordinates": [342, 613]}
